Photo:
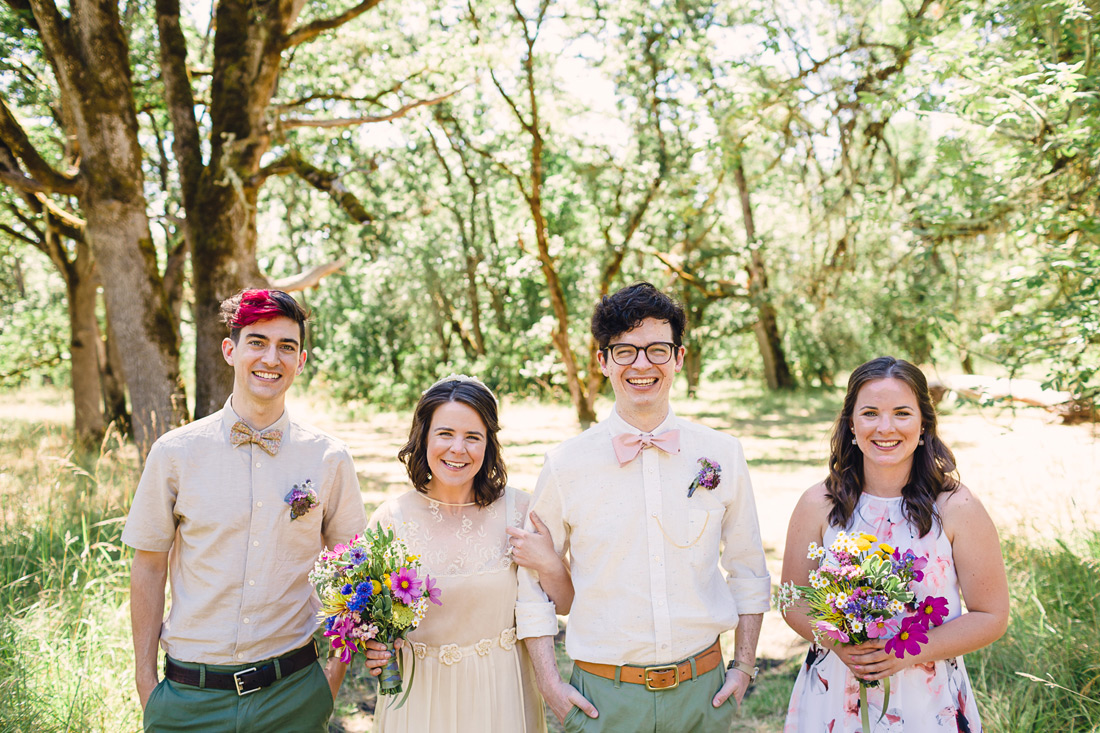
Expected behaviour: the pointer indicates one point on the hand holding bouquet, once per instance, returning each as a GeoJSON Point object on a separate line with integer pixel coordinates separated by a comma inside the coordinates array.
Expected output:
{"type": "Point", "coordinates": [370, 589]}
{"type": "Point", "coordinates": [858, 592]}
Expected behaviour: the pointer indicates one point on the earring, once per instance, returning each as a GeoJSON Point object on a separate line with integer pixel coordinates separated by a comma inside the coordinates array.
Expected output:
{"type": "Point", "coordinates": [921, 441]}
{"type": "Point", "coordinates": [854, 440]}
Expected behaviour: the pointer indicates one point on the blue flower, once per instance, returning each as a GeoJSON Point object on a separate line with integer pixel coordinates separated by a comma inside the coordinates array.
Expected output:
{"type": "Point", "coordinates": [347, 590]}
{"type": "Point", "coordinates": [365, 589]}
{"type": "Point", "coordinates": [357, 556]}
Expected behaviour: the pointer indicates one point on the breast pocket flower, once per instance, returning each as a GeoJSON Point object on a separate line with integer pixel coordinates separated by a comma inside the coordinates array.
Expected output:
{"type": "Point", "coordinates": [709, 476]}
{"type": "Point", "coordinates": [301, 499]}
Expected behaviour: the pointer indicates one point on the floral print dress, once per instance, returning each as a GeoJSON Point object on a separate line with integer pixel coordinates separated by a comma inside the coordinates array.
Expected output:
{"type": "Point", "coordinates": [926, 698]}
{"type": "Point", "coordinates": [472, 674]}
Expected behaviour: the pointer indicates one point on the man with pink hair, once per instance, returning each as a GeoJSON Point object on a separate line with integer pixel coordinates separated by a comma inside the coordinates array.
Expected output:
{"type": "Point", "coordinates": [233, 510]}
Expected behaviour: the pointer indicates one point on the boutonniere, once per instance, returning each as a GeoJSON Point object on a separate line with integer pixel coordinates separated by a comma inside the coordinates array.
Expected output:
{"type": "Point", "coordinates": [301, 499]}
{"type": "Point", "coordinates": [709, 476]}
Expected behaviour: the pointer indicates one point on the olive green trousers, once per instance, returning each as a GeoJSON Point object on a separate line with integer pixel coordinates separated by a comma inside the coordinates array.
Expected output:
{"type": "Point", "coordinates": [299, 703]}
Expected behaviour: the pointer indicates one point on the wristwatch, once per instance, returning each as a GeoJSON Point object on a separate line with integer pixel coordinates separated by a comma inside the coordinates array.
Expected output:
{"type": "Point", "coordinates": [748, 669]}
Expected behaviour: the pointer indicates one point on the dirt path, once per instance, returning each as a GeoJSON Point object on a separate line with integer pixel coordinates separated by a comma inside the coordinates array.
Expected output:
{"type": "Point", "coordinates": [1035, 476]}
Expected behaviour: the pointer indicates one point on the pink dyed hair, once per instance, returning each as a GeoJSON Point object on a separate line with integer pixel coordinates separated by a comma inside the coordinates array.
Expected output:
{"type": "Point", "coordinates": [249, 306]}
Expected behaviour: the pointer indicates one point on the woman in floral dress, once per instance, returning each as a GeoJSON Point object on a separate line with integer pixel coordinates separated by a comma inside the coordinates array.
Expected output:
{"type": "Point", "coordinates": [892, 476]}
{"type": "Point", "coordinates": [471, 675]}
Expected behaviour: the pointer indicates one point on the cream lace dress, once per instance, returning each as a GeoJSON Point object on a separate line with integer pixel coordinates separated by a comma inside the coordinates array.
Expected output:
{"type": "Point", "coordinates": [472, 675]}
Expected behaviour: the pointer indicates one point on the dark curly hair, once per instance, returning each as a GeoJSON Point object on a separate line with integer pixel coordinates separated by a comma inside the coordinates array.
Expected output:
{"type": "Point", "coordinates": [933, 471]}
{"type": "Point", "coordinates": [491, 479]}
{"type": "Point", "coordinates": [627, 308]}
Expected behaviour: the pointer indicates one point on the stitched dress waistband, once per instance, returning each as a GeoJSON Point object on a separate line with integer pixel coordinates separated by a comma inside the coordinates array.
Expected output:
{"type": "Point", "coordinates": [449, 654]}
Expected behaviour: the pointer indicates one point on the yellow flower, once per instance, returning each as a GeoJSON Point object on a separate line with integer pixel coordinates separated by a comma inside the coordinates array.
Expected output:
{"type": "Point", "coordinates": [412, 558]}
{"type": "Point", "coordinates": [386, 579]}
{"type": "Point", "coordinates": [376, 587]}
{"type": "Point", "coordinates": [865, 541]}
{"type": "Point", "coordinates": [885, 549]}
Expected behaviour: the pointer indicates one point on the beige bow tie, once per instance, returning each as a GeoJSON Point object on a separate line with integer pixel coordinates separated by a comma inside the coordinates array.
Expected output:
{"type": "Point", "coordinates": [269, 440]}
{"type": "Point", "coordinates": [628, 445]}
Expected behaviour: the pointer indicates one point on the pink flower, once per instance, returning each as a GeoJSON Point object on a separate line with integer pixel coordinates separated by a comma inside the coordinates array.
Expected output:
{"type": "Point", "coordinates": [431, 591]}
{"type": "Point", "coordinates": [909, 638]}
{"type": "Point", "coordinates": [880, 628]}
{"type": "Point", "coordinates": [932, 611]}
{"type": "Point", "coordinates": [831, 631]}
{"type": "Point", "coordinates": [405, 585]}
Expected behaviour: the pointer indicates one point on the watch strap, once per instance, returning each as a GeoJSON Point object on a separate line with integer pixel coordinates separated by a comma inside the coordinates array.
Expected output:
{"type": "Point", "coordinates": [748, 669]}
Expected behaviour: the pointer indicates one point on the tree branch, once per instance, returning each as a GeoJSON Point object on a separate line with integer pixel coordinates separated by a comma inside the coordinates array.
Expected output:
{"type": "Point", "coordinates": [42, 177]}
{"type": "Point", "coordinates": [308, 279]}
{"type": "Point", "coordinates": [350, 121]}
{"type": "Point", "coordinates": [317, 27]}
{"type": "Point", "coordinates": [325, 181]}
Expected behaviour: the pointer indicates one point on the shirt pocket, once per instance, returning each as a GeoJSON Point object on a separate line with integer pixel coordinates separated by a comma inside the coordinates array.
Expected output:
{"type": "Point", "coordinates": [300, 538]}
{"type": "Point", "coordinates": [704, 534]}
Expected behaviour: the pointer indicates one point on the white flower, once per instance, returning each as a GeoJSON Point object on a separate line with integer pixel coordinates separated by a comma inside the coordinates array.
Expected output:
{"type": "Point", "coordinates": [420, 650]}
{"type": "Point", "coordinates": [450, 654]}
{"type": "Point", "coordinates": [483, 647]}
{"type": "Point", "coordinates": [508, 639]}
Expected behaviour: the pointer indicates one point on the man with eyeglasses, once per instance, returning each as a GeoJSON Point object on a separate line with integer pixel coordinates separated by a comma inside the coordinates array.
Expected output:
{"type": "Point", "coordinates": [658, 518]}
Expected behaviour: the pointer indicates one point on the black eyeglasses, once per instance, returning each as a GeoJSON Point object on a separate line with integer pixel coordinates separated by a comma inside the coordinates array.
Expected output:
{"type": "Point", "coordinates": [658, 352]}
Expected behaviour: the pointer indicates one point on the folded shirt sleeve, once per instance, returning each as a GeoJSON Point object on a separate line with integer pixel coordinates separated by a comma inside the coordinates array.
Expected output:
{"type": "Point", "coordinates": [535, 612]}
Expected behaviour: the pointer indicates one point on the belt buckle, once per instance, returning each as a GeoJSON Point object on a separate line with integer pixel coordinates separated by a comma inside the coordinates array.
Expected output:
{"type": "Point", "coordinates": [674, 668]}
{"type": "Point", "coordinates": [241, 691]}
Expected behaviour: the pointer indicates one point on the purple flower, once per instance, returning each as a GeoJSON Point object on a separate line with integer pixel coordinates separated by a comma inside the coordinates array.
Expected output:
{"type": "Point", "coordinates": [909, 638]}
{"type": "Point", "coordinates": [932, 611]}
{"type": "Point", "coordinates": [301, 499]}
{"type": "Point", "coordinates": [358, 556]}
{"type": "Point", "coordinates": [431, 591]}
{"type": "Point", "coordinates": [405, 585]}
{"type": "Point", "coordinates": [709, 476]}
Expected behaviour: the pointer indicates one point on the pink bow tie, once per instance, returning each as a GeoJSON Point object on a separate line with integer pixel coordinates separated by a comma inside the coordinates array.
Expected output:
{"type": "Point", "coordinates": [628, 445]}
{"type": "Point", "coordinates": [269, 440]}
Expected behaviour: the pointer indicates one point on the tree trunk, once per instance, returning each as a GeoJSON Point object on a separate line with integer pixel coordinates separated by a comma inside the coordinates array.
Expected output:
{"type": "Point", "coordinates": [90, 60]}
{"type": "Point", "coordinates": [88, 421]}
{"type": "Point", "coordinates": [112, 383]}
{"type": "Point", "coordinates": [776, 372]}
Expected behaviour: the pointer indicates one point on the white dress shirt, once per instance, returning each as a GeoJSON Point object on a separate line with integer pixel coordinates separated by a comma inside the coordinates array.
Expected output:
{"type": "Point", "coordinates": [657, 575]}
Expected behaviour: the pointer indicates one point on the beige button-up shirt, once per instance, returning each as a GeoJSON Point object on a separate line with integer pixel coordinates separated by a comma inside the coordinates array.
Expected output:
{"type": "Point", "coordinates": [238, 564]}
{"type": "Point", "coordinates": [658, 576]}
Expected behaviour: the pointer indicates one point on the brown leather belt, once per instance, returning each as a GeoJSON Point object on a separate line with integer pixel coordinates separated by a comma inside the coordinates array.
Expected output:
{"type": "Point", "coordinates": [251, 679]}
{"type": "Point", "coordinates": [661, 676]}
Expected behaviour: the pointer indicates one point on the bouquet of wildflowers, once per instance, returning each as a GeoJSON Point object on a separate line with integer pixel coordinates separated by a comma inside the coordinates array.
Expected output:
{"type": "Point", "coordinates": [858, 592]}
{"type": "Point", "coordinates": [370, 588]}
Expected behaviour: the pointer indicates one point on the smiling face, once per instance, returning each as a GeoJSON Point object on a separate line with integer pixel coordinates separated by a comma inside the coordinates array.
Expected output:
{"type": "Point", "coordinates": [455, 451]}
{"type": "Point", "coordinates": [642, 388]}
{"type": "Point", "coordinates": [887, 425]}
{"type": "Point", "coordinates": [265, 359]}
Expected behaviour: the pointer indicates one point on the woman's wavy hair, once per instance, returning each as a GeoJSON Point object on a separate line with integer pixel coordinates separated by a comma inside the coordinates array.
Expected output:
{"type": "Point", "coordinates": [933, 471]}
{"type": "Point", "coordinates": [490, 480]}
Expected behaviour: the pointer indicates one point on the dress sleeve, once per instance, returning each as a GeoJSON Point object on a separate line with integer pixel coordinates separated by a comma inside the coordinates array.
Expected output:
{"type": "Point", "coordinates": [535, 612]}
{"type": "Point", "coordinates": [742, 548]}
{"type": "Point", "coordinates": [151, 523]}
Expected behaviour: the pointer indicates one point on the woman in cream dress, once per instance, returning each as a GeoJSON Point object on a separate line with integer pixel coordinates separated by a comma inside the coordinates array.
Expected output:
{"type": "Point", "coordinates": [471, 674]}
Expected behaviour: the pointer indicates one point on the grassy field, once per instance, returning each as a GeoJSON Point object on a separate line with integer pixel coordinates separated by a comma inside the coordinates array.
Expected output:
{"type": "Point", "coordinates": [65, 654]}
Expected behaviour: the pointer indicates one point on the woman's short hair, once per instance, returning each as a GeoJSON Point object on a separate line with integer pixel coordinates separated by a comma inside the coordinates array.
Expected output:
{"type": "Point", "coordinates": [933, 471]}
{"type": "Point", "coordinates": [491, 479]}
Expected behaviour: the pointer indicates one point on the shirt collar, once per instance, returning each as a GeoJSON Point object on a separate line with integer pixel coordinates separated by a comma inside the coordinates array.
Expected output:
{"type": "Point", "coordinates": [230, 418]}
{"type": "Point", "coordinates": [618, 425]}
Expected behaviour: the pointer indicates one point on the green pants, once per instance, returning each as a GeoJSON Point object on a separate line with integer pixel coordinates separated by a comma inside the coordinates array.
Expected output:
{"type": "Point", "coordinates": [299, 703]}
{"type": "Point", "coordinates": [630, 708]}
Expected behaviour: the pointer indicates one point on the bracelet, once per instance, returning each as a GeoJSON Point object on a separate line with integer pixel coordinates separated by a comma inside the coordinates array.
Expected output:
{"type": "Point", "coordinates": [749, 670]}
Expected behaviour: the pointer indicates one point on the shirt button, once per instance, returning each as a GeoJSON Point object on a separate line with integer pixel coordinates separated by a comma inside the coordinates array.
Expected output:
{"type": "Point", "coordinates": [259, 503]}
{"type": "Point", "coordinates": [656, 558]}
{"type": "Point", "coordinates": [661, 602]}
{"type": "Point", "coordinates": [245, 619]}
{"type": "Point", "coordinates": [664, 646]}
{"type": "Point", "coordinates": [240, 655]}
{"type": "Point", "coordinates": [257, 465]}
{"type": "Point", "coordinates": [255, 543]}
{"type": "Point", "coordinates": [252, 582]}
